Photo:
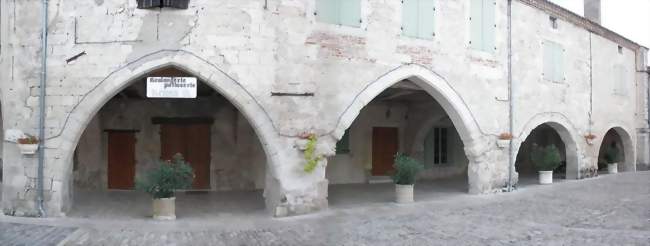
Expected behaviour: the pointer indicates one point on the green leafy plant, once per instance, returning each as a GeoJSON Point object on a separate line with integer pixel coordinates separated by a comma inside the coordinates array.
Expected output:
{"type": "Point", "coordinates": [406, 169]}
{"type": "Point", "coordinates": [28, 139]}
{"type": "Point", "coordinates": [546, 158]}
{"type": "Point", "coordinates": [310, 154]}
{"type": "Point", "coordinates": [169, 176]}
{"type": "Point", "coordinates": [611, 155]}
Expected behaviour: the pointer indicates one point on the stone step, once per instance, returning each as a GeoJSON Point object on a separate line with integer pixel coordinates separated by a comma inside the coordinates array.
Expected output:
{"type": "Point", "coordinates": [379, 180]}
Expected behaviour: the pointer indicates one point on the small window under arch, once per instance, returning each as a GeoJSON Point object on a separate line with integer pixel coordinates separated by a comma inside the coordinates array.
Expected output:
{"type": "Point", "coordinates": [147, 4]}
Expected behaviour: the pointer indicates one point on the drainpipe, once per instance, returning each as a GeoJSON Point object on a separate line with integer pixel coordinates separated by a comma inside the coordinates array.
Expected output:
{"type": "Point", "coordinates": [512, 98]}
{"type": "Point", "coordinates": [41, 119]}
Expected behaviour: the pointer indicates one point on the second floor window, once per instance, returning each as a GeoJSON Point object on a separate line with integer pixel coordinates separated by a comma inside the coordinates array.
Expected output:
{"type": "Point", "coordinates": [553, 62]}
{"type": "Point", "coordinates": [340, 12]}
{"type": "Point", "coordinates": [483, 25]}
{"type": "Point", "coordinates": [418, 18]}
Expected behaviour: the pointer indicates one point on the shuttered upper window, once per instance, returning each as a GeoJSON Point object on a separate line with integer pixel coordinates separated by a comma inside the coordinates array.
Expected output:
{"type": "Point", "coordinates": [553, 62]}
{"type": "Point", "coordinates": [482, 25]}
{"type": "Point", "coordinates": [418, 18]}
{"type": "Point", "coordinates": [179, 4]}
{"type": "Point", "coordinates": [341, 12]}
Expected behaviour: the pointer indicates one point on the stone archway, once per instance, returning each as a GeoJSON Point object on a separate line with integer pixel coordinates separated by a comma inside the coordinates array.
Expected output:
{"type": "Point", "coordinates": [480, 180]}
{"type": "Point", "coordinates": [93, 101]}
{"type": "Point", "coordinates": [561, 126]}
{"type": "Point", "coordinates": [624, 141]}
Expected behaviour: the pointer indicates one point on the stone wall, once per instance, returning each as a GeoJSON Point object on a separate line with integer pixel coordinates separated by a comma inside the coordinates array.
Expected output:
{"type": "Point", "coordinates": [268, 61]}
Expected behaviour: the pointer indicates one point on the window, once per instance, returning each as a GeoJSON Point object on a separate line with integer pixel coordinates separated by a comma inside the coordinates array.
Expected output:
{"type": "Point", "coordinates": [553, 22]}
{"type": "Point", "coordinates": [341, 12]}
{"type": "Point", "coordinates": [620, 49]}
{"type": "Point", "coordinates": [483, 25]}
{"type": "Point", "coordinates": [620, 80]}
{"type": "Point", "coordinates": [553, 62]}
{"type": "Point", "coordinates": [147, 4]}
{"type": "Point", "coordinates": [418, 18]}
{"type": "Point", "coordinates": [435, 147]}
{"type": "Point", "coordinates": [343, 145]}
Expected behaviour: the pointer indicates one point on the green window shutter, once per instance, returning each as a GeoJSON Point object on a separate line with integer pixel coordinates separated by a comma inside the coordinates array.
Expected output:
{"type": "Point", "coordinates": [410, 18]}
{"type": "Point", "coordinates": [620, 86]}
{"type": "Point", "coordinates": [558, 62]}
{"type": "Point", "coordinates": [343, 145]}
{"type": "Point", "coordinates": [488, 25]}
{"type": "Point", "coordinates": [548, 57]}
{"type": "Point", "coordinates": [327, 11]}
{"type": "Point", "coordinates": [476, 32]}
{"type": "Point", "coordinates": [429, 148]}
{"type": "Point", "coordinates": [350, 12]}
{"type": "Point", "coordinates": [426, 18]}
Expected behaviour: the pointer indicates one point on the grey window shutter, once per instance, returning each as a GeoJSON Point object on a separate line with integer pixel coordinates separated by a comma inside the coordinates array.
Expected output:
{"type": "Point", "coordinates": [147, 4]}
{"type": "Point", "coordinates": [179, 4]}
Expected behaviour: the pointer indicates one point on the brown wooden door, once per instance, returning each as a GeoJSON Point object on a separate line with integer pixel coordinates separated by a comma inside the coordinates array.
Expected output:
{"type": "Point", "coordinates": [385, 145]}
{"type": "Point", "coordinates": [121, 160]}
{"type": "Point", "coordinates": [193, 142]}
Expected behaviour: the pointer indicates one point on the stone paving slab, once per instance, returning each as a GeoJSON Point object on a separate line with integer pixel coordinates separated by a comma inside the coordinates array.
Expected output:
{"type": "Point", "coordinates": [608, 210]}
{"type": "Point", "coordinates": [26, 234]}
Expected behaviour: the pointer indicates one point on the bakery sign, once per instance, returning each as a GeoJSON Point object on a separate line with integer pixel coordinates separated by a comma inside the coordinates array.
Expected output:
{"type": "Point", "coordinates": [171, 87]}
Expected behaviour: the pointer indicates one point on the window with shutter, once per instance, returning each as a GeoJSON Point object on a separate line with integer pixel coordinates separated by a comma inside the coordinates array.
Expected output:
{"type": "Point", "coordinates": [147, 4]}
{"type": "Point", "coordinates": [343, 145]}
{"type": "Point", "coordinates": [553, 67]}
{"type": "Point", "coordinates": [482, 25]}
{"type": "Point", "coordinates": [340, 12]}
{"type": "Point", "coordinates": [620, 81]}
{"type": "Point", "coordinates": [435, 147]}
{"type": "Point", "coordinates": [418, 18]}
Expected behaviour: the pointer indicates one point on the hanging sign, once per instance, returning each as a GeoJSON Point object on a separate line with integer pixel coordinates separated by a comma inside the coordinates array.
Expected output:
{"type": "Point", "coordinates": [171, 87]}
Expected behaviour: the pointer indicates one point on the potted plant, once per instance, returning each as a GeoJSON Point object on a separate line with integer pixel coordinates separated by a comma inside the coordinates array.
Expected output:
{"type": "Point", "coordinates": [546, 159]}
{"type": "Point", "coordinates": [504, 140]}
{"type": "Point", "coordinates": [611, 157]}
{"type": "Point", "coordinates": [404, 176]}
{"type": "Point", "coordinates": [28, 145]}
{"type": "Point", "coordinates": [162, 182]}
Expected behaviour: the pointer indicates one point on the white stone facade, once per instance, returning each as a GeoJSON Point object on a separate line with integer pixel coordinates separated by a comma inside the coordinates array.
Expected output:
{"type": "Point", "coordinates": [247, 51]}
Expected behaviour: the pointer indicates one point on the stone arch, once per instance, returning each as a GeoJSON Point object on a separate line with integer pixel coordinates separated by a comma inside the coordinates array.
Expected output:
{"type": "Point", "coordinates": [451, 102]}
{"type": "Point", "coordinates": [116, 81]}
{"type": "Point", "coordinates": [629, 149]}
{"type": "Point", "coordinates": [565, 129]}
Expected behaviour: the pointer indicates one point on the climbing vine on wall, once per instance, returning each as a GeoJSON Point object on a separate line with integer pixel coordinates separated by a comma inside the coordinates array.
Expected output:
{"type": "Point", "coordinates": [310, 154]}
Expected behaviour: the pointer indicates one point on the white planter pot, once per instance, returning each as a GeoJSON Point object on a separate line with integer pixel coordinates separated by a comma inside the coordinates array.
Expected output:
{"type": "Point", "coordinates": [612, 168]}
{"type": "Point", "coordinates": [164, 208]}
{"type": "Point", "coordinates": [503, 143]}
{"type": "Point", "coordinates": [545, 177]}
{"type": "Point", "coordinates": [403, 193]}
{"type": "Point", "coordinates": [28, 149]}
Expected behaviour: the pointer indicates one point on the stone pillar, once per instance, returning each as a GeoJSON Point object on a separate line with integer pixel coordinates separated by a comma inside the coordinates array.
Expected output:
{"type": "Point", "coordinates": [290, 190]}
{"type": "Point", "coordinates": [487, 171]}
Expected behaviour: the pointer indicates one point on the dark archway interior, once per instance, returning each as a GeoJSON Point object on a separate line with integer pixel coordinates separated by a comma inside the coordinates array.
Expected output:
{"type": "Point", "coordinates": [543, 135]}
{"type": "Point", "coordinates": [611, 140]}
{"type": "Point", "coordinates": [131, 133]}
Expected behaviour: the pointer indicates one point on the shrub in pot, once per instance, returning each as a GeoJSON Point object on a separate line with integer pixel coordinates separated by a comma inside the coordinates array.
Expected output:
{"type": "Point", "coordinates": [404, 176]}
{"type": "Point", "coordinates": [546, 159]}
{"type": "Point", "coordinates": [162, 182]}
{"type": "Point", "coordinates": [611, 157]}
{"type": "Point", "coordinates": [28, 145]}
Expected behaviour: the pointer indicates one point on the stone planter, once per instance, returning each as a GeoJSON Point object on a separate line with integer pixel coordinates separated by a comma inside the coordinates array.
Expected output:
{"type": "Point", "coordinates": [403, 193]}
{"type": "Point", "coordinates": [503, 143]}
{"type": "Point", "coordinates": [612, 168]}
{"type": "Point", "coordinates": [545, 177]}
{"type": "Point", "coordinates": [164, 208]}
{"type": "Point", "coordinates": [28, 149]}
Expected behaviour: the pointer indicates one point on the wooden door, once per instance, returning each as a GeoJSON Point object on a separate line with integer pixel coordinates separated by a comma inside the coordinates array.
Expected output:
{"type": "Point", "coordinates": [193, 142]}
{"type": "Point", "coordinates": [121, 160]}
{"type": "Point", "coordinates": [198, 154]}
{"type": "Point", "coordinates": [385, 144]}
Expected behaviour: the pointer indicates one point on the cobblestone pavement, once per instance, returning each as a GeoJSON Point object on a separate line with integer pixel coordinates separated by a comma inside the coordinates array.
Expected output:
{"type": "Point", "coordinates": [607, 210]}
{"type": "Point", "coordinates": [27, 234]}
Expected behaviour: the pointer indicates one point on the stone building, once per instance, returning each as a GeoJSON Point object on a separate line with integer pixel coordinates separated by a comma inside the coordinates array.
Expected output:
{"type": "Point", "coordinates": [439, 80]}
